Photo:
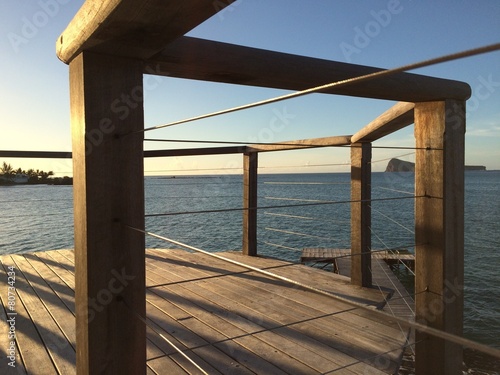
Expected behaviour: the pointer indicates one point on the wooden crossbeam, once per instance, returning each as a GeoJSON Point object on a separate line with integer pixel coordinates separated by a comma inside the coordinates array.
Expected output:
{"type": "Point", "coordinates": [341, 140]}
{"type": "Point", "coordinates": [36, 154]}
{"type": "Point", "coordinates": [195, 151]}
{"type": "Point", "coordinates": [395, 118]}
{"type": "Point", "coordinates": [208, 60]}
{"type": "Point", "coordinates": [130, 28]}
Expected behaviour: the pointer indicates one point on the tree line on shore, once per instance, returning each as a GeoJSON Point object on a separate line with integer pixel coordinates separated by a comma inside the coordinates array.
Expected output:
{"type": "Point", "coordinates": [10, 175]}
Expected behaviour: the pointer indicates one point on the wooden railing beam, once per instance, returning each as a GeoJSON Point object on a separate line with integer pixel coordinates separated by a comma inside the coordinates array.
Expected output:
{"type": "Point", "coordinates": [208, 60]}
{"type": "Point", "coordinates": [131, 29]}
{"type": "Point", "coordinates": [394, 119]}
{"type": "Point", "coordinates": [340, 140]}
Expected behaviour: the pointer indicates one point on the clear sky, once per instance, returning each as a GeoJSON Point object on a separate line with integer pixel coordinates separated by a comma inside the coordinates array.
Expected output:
{"type": "Point", "coordinates": [35, 96]}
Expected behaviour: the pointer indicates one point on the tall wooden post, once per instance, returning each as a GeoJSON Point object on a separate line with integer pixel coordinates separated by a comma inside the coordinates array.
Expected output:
{"type": "Point", "coordinates": [250, 172]}
{"type": "Point", "coordinates": [439, 232]}
{"type": "Point", "coordinates": [106, 103]}
{"type": "Point", "coordinates": [361, 156]}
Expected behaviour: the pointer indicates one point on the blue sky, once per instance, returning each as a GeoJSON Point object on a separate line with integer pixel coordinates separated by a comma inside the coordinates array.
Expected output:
{"type": "Point", "coordinates": [35, 97]}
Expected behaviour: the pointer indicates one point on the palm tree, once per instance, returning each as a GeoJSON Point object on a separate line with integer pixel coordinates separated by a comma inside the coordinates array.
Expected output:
{"type": "Point", "coordinates": [45, 175]}
{"type": "Point", "coordinates": [7, 169]}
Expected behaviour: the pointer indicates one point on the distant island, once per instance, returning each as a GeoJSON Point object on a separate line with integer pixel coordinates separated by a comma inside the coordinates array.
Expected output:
{"type": "Point", "coordinates": [397, 165]}
{"type": "Point", "coordinates": [12, 176]}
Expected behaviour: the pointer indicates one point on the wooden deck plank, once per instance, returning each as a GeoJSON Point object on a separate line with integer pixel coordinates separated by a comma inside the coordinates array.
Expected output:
{"type": "Point", "coordinates": [324, 279]}
{"type": "Point", "coordinates": [54, 280]}
{"type": "Point", "coordinates": [47, 267]}
{"type": "Point", "coordinates": [158, 365]}
{"type": "Point", "coordinates": [201, 352]}
{"type": "Point", "coordinates": [334, 325]}
{"type": "Point", "coordinates": [318, 253]}
{"type": "Point", "coordinates": [228, 308]}
{"type": "Point", "coordinates": [31, 347]}
{"type": "Point", "coordinates": [401, 302]}
{"type": "Point", "coordinates": [228, 319]}
{"type": "Point", "coordinates": [50, 316]}
{"type": "Point", "coordinates": [297, 302]}
{"type": "Point", "coordinates": [183, 333]}
{"type": "Point", "coordinates": [232, 325]}
{"type": "Point", "coordinates": [328, 281]}
{"type": "Point", "coordinates": [60, 266]}
{"type": "Point", "coordinates": [277, 317]}
{"type": "Point", "coordinates": [17, 366]}
{"type": "Point", "coordinates": [149, 371]}
{"type": "Point", "coordinates": [222, 334]}
{"type": "Point", "coordinates": [57, 295]}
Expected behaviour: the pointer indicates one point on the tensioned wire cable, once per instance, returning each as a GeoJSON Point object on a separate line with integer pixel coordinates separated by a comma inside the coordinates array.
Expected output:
{"type": "Point", "coordinates": [277, 327]}
{"type": "Point", "coordinates": [150, 326]}
{"type": "Point", "coordinates": [281, 206]}
{"type": "Point", "coordinates": [418, 326]}
{"type": "Point", "coordinates": [309, 145]}
{"type": "Point", "coordinates": [397, 156]}
{"type": "Point", "coordinates": [281, 325]}
{"type": "Point", "coordinates": [341, 83]}
{"type": "Point", "coordinates": [388, 303]}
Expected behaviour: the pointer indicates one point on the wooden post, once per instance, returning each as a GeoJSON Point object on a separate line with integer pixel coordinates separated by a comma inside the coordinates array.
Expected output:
{"type": "Point", "coordinates": [361, 156]}
{"type": "Point", "coordinates": [106, 103]}
{"type": "Point", "coordinates": [439, 232]}
{"type": "Point", "coordinates": [250, 166]}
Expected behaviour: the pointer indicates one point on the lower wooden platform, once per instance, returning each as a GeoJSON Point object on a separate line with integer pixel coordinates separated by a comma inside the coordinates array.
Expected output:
{"type": "Point", "coordinates": [226, 319]}
{"type": "Point", "coordinates": [330, 255]}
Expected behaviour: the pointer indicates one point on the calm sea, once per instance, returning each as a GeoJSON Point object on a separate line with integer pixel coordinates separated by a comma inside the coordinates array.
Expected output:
{"type": "Point", "coordinates": [39, 217]}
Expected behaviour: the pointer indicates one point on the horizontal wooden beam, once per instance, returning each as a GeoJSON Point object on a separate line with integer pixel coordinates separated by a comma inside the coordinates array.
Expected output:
{"type": "Point", "coordinates": [208, 60]}
{"type": "Point", "coordinates": [36, 154]}
{"type": "Point", "coordinates": [395, 118]}
{"type": "Point", "coordinates": [341, 140]}
{"type": "Point", "coordinates": [147, 154]}
{"type": "Point", "coordinates": [195, 151]}
{"type": "Point", "coordinates": [130, 28]}
{"type": "Point", "coordinates": [288, 145]}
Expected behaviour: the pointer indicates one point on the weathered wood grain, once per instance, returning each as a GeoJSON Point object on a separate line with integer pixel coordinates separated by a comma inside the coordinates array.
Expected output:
{"type": "Point", "coordinates": [208, 60]}
{"type": "Point", "coordinates": [250, 177]}
{"type": "Point", "coordinates": [361, 157]}
{"type": "Point", "coordinates": [439, 232]}
{"type": "Point", "coordinates": [229, 320]}
{"type": "Point", "coordinates": [108, 188]}
{"type": "Point", "coordinates": [127, 28]}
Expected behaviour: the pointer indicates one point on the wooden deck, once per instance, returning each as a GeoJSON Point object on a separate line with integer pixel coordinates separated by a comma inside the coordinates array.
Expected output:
{"type": "Point", "coordinates": [401, 302]}
{"type": "Point", "coordinates": [227, 319]}
{"type": "Point", "coordinates": [329, 255]}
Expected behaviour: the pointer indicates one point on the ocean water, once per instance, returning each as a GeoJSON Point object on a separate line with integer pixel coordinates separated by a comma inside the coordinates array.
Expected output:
{"type": "Point", "coordinates": [34, 218]}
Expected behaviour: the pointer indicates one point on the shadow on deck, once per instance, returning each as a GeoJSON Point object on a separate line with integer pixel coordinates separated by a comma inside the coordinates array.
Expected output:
{"type": "Point", "coordinates": [227, 319]}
